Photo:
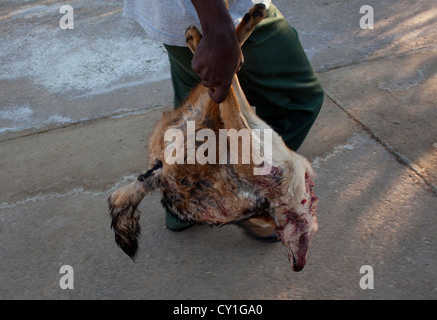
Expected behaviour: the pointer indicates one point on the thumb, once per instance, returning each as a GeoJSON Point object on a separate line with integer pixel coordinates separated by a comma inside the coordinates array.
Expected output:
{"type": "Point", "coordinates": [219, 94]}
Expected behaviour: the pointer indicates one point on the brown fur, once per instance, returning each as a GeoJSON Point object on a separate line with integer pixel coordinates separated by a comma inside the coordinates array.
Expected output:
{"type": "Point", "coordinates": [222, 193]}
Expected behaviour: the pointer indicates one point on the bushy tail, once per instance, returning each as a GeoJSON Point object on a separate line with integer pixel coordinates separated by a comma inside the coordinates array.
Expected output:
{"type": "Point", "coordinates": [123, 205]}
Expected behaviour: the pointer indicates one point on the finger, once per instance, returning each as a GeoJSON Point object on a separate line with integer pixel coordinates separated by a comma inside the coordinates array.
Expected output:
{"type": "Point", "coordinates": [208, 84]}
{"type": "Point", "coordinates": [196, 65]}
{"type": "Point", "coordinates": [218, 94]}
{"type": "Point", "coordinates": [241, 63]}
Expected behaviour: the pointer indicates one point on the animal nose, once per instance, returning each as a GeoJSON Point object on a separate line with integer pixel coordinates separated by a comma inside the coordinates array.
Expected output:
{"type": "Point", "coordinates": [297, 267]}
{"type": "Point", "coordinates": [297, 264]}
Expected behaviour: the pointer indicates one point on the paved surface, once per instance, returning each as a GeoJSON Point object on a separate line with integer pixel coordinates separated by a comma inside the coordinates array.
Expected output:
{"type": "Point", "coordinates": [77, 106]}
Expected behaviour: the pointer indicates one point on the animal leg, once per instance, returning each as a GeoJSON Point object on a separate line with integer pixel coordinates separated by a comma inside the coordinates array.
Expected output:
{"type": "Point", "coordinates": [231, 108]}
{"type": "Point", "coordinates": [192, 38]}
{"type": "Point", "coordinates": [243, 30]}
{"type": "Point", "coordinates": [230, 113]}
{"type": "Point", "coordinates": [249, 22]}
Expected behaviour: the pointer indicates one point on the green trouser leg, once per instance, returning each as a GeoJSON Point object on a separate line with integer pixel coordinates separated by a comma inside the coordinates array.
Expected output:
{"type": "Point", "coordinates": [276, 77]}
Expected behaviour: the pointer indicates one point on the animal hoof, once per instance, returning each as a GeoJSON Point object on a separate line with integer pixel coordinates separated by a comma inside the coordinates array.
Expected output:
{"type": "Point", "coordinates": [258, 10]}
{"type": "Point", "coordinates": [255, 15]}
{"type": "Point", "coordinates": [192, 37]}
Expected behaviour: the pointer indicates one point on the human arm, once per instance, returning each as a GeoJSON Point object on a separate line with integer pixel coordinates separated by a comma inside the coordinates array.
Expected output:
{"type": "Point", "coordinates": [218, 55]}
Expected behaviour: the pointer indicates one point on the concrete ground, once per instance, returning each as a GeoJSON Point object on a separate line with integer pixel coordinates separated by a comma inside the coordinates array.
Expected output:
{"type": "Point", "coordinates": [77, 106]}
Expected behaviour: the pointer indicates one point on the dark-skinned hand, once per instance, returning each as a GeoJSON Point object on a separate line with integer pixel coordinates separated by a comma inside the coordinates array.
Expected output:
{"type": "Point", "coordinates": [218, 56]}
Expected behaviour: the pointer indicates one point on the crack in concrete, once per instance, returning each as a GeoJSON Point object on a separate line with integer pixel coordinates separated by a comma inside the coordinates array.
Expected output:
{"type": "Point", "coordinates": [113, 115]}
{"type": "Point", "coordinates": [402, 159]}
{"type": "Point", "coordinates": [76, 191]}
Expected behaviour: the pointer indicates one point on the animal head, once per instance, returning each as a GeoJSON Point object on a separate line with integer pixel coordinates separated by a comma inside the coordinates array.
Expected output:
{"type": "Point", "coordinates": [296, 225]}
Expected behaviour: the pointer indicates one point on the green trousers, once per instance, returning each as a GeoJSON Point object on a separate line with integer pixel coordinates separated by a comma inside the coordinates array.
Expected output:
{"type": "Point", "coordinates": [276, 77]}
